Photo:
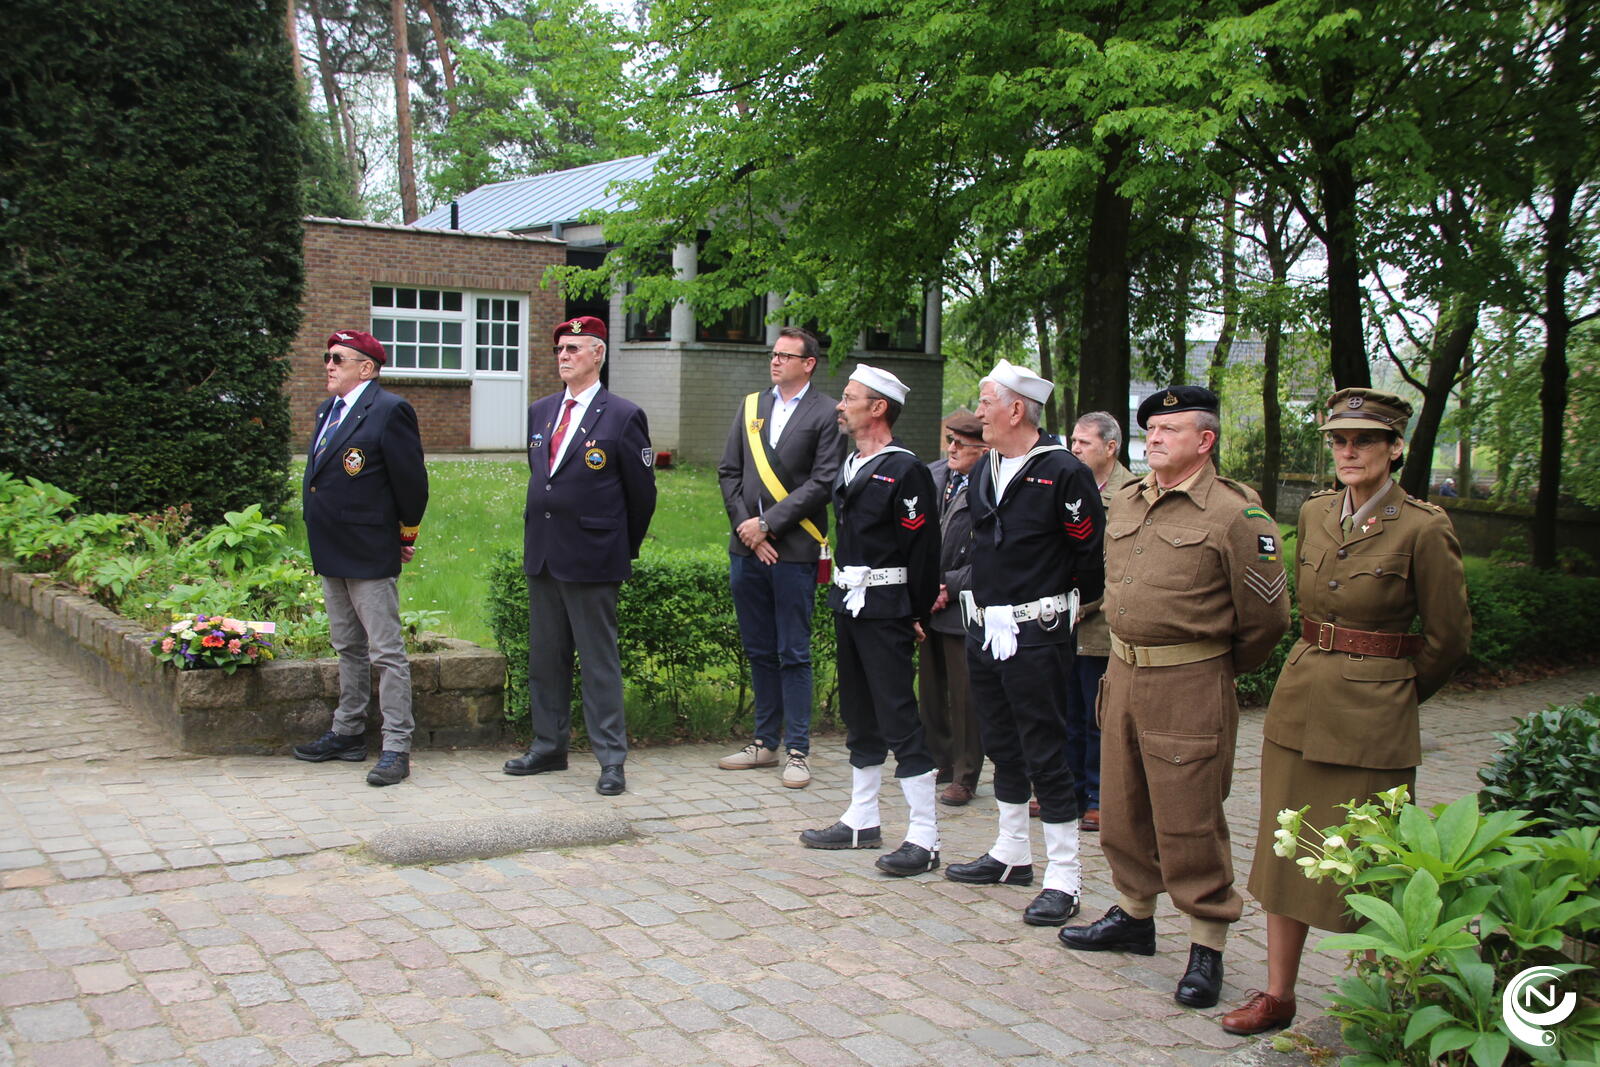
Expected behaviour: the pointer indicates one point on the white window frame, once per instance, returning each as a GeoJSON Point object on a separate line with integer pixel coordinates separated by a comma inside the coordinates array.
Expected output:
{"type": "Point", "coordinates": [466, 318]}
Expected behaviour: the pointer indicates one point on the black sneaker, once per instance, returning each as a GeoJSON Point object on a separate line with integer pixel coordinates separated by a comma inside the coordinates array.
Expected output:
{"type": "Point", "coordinates": [907, 860]}
{"type": "Point", "coordinates": [351, 748]}
{"type": "Point", "coordinates": [391, 769]}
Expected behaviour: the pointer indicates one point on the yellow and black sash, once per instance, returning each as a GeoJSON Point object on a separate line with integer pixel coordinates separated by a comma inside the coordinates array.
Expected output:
{"type": "Point", "coordinates": [768, 465]}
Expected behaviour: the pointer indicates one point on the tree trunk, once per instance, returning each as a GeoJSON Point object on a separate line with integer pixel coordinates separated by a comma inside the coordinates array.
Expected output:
{"type": "Point", "coordinates": [1464, 414]}
{"type": "Point", "coordinates": [1347, 344]}
{"type": "Point", "coordinates": [1230, 295]}
{"type": "Point", "coordinates": [445, 63]}
{"type": "Point", "coordinates": [402, 110]}
{"type": "Point", "coordinates": [1178, 330]}
{"type": "Point", "coordinates": [1041, 329]}
{"type": "Point", "coordinates": [291, 15]}
{"type": "Point", "coordinates": [1278, 263]}
{"type": "Point", "coordinates": [1553, 371]}
{"type": "Point", "coordinates": [1104, 356]}
{"type": "Point", "coordinates": [339, 117]}
{"type": "Point", "coordinates": [1452, 339]}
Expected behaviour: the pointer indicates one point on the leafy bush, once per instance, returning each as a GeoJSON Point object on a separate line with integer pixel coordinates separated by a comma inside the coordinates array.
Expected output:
{"type": "Point", "coordinates": [1521, 614]}
{"type": "Point", "coordinates": [683, 665]}
{"type": "Point", "coordinates": [150, 264]}
{"type": "Point", "coordinates": [1457, 903]}
{"type": "Point", "coordinates": [1550, 766]}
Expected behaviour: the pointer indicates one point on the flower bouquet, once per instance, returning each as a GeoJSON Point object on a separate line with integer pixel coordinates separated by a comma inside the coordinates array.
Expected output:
{"type": "Point", "coordinates": [203, 642]}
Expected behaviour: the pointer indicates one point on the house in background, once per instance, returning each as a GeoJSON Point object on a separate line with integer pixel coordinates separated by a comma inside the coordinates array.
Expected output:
{"type": "Point", "coordinates": [688, 372]}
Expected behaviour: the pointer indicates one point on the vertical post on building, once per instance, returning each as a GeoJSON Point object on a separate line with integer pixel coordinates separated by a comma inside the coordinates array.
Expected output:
{"type": "Point", "coordinates": [774, 320]}
{"type": "Point", "coordinates": [686, 267]}
{"type": "Point", "coordinates": [933, 320]}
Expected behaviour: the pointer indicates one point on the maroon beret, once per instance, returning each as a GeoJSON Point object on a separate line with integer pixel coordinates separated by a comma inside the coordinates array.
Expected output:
{"type": "Point", "coordinates": [582, 326]}
{"type": "Point", "coordinates": [362, 342]}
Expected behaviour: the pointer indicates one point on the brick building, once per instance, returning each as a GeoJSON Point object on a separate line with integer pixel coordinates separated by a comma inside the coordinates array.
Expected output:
{"type": "Point", "coordinates": [456, 311]}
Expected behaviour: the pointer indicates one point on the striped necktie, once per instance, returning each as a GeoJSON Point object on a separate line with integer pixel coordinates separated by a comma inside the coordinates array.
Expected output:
{"type": "Point", "coordinates": [333, 424]}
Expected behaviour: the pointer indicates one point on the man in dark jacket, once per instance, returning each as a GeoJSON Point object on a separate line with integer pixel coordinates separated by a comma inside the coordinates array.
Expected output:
{"type": "Point", "coordinates": [591, 493]}
{"type": "Point", "coordinates": [364, 492]}
{"type": "Point", "coordinates": [777, 474]}
{"type": "Point", "coordinates": [947, 715]}
{"type": "Point", "coordinates": [886, 578]}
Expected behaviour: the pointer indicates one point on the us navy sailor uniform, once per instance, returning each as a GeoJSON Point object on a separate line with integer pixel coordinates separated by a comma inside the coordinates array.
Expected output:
{"type": "Point", "coordinates": [1041, 537]}
{"type": "Point", "coordinates": [583, 524]}
{"type": "Point", "coordinates": [888, 516]}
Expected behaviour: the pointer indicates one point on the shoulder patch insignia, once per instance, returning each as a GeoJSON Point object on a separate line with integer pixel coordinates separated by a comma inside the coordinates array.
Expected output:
{"type": "Point", "coordinates": [913, 520]}
{"type": "Point", "coordinates": [1254, 512]}
{"type": "Point", "coordinates": [647, 456]}
{"type": "Point", "coordinates": [1268, 589]}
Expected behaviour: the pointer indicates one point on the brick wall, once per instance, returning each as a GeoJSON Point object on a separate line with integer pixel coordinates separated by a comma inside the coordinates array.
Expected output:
{"type": "Point", "coordinates": [345, 259]}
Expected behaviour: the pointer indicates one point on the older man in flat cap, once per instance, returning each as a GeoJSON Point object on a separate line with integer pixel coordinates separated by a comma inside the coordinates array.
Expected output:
{"type": "Point", "coordinates": [365, 489]}
{"type": "Point", "coordinates": [1037, 527]}
{"type": "Point", "coordinates": [1195, 594]}
{"type": "Point", "coordinates": [591, 493]}
{"type": "Point", "coordinates": [886, 578]}
{"type": "Point", "coordinates": [947, 714]}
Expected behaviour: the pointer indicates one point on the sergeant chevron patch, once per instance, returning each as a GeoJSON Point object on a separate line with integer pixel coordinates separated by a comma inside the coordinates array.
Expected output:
{"type": "Point", "coordinates": [1080, 530]}
{"type": "Point", "coordinates": [1268, 589]}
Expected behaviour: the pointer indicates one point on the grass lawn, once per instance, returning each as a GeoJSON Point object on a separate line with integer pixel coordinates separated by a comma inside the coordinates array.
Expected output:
{"type": "Point", "coordinates": [475, 510]}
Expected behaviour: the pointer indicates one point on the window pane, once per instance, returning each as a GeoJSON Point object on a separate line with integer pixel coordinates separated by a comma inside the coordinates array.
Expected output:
{"type": "Point", "coordinates": [452, 333]}
{"type": "Point", "coordinates": [405, 355]}
{"type": "Point", "coordinates": [513, 363]}
{"type": "Point", "coordinates": [428, 357]}
{"type": "Point", "coordinates": [405, 330]}
{"type": "Point", "coordinates": [429, 299]}
{"type": "Point", "coordinates": [497, 334]}
{"type": "Point", "coordinates": [483, 333]}
{"type": "Point", "coordinates": [382, 296]}
{"type": "Point", "coordinates": [383, 329]}
{"type": "Point", "coordinates": [512, 334]}
{"type": "Point", "coordinates": [452, 301]}
{"type": "Point", "coordinates": [483, 308]}
{"type": "Point", "coordinates": [405, 298]}
{"type": "Point", "coordinates": [513, 311]}
{"type": "Point", "coordinates": [429, 332]}
{"type": "Point", "coordinates": [450, 359]}
{"type": "Point", "coordinates": [483, 358]}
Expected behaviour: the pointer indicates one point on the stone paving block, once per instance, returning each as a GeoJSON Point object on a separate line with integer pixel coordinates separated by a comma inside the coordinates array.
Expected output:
{"type": "Point", "coordinates": [177, 987]}
{"type": "Point", "coordinates": [36, 987]}
{"type": "Point", "coordinates": [312, 1049]}
{"type": "Point", "coordinates": [206, 1020]}
{"type": "Point", "coordinates": [306, 968]}
{"type": "Point", "coordinates": [368, 1037]}
{"type": "Point", "coordinates": [235, 1052]}
{"type": "Point", "coordinates": [43, 1023]}
{"type": "Point", "coordinates": [250, 990]}
{"type": "Point", "coordinates": [143, 1046]}
{"type": "Point", "coordinates": [334, 1000]}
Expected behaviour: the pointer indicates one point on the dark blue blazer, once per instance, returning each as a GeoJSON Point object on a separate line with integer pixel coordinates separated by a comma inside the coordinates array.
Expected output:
{"type": "Point", "coordinates": [369, 482]}
{"type": "Point", "coordinates": [585, 521]}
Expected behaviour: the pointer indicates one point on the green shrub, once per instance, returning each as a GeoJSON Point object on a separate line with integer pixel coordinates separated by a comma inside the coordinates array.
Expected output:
{"type": "Point", "coordinates": [1550, 766]}
{"type": "Point", "coordinates": [1521, 614]}
{"type": "Point", "coordinates": [683, 666]}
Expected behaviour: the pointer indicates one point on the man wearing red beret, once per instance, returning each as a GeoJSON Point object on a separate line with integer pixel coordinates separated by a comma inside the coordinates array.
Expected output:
{"type": "Point", "coordinates": [365, 489]}
{"type": "Point", "coordinates": [591, 493]}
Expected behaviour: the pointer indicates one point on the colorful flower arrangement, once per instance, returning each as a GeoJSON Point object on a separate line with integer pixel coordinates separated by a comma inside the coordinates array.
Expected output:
{"type": "Point", "coordinates": [203, 642]}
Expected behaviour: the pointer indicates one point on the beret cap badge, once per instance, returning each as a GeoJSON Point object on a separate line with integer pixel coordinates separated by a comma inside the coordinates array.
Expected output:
{"type": "Point", "coordinates": [1169, 401]}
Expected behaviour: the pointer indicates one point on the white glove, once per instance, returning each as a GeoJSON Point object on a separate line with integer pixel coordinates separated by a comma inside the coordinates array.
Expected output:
{"type": "Point", "coordinates": [1000, 632]}
{"type": "Point", "coordinates": [853, 580]}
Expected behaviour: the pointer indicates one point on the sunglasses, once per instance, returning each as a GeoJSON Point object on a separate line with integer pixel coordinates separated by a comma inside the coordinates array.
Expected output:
{"type": "Point", "coordinates": [950, 439]}
{"type": "Point", "coordinates": [338, 360]}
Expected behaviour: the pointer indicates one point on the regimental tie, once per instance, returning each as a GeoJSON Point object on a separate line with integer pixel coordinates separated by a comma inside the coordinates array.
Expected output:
{"type": "Point", "coordinates": [561, 431]}
{"type": "Point", "coordinates": [333, 424]}
{"type": "Point", "coordinates": [954, 485]}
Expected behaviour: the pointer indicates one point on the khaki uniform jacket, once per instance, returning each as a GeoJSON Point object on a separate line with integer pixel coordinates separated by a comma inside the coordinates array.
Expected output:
{"type": "Point", "coordinates": [1195, 565]}
{"type": "Point", "coordinates": [1094, 636]}
{"type": "Point", "coordinates": [1361, 711]}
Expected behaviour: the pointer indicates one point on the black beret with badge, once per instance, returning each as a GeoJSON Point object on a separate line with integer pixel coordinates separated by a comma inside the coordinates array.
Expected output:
{"type": "Point", "coordinates": [1176, 398]}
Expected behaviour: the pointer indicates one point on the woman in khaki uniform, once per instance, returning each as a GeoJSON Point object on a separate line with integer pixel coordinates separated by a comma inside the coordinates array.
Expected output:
{"type": "Point", "coordinates": [1343, 721]}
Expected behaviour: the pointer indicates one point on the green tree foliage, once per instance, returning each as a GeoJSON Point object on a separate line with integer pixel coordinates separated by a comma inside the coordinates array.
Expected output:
{"type": "Point", "coordinates": [544, 90]}
{"type": "Point", "coordinates": [149, 250]}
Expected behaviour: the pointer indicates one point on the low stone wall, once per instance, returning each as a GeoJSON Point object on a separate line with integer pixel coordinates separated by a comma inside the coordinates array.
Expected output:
{"type": "Point", "coordinates": [458, 692]}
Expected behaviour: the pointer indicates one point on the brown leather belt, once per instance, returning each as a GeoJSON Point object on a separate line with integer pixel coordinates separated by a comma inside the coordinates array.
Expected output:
{"type": "Point", "coordinates": [1331, 638]}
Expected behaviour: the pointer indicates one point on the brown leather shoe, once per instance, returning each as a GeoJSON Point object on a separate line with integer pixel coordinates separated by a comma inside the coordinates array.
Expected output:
{"type": "Point", "coordinates": [956, 795]}
{"type": "Point", "coordinates": [1033, 809]}
{"type": "Point", "coordinates": [1090, 823]}
{"type": "Point", "coordinates": [1261, 1012]}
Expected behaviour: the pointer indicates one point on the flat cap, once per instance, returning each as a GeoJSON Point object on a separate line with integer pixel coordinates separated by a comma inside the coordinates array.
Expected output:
{"type": "Point", "coordinates": [965, 423]}
{"type": "Point", "coordinates": [1367, 409]}
{"type": "Point", "coordinates": [1176, 398]}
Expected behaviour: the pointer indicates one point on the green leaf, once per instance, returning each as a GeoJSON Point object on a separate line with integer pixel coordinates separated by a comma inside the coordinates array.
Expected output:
{"type": "Point", "coordinates": [1425, 1022]}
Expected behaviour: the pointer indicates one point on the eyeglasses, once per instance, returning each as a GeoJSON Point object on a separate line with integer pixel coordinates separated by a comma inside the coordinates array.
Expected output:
{"type": "Point", "coordinates": [784, 357]}
{"type": "Point", "coordinates": [571, 346]}
{"type": "Point", "coordinates": [337, 360]}
{"type": "Point", "coordinates": [951, 439]}
{"type": "Point", "coordinates": [1361, 442]}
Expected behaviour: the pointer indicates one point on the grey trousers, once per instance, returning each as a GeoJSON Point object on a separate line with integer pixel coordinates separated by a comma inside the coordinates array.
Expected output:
{"type": "Point", "coordinates": [564, 617]}
{"type": "Point", "coordinates": [364, 623]}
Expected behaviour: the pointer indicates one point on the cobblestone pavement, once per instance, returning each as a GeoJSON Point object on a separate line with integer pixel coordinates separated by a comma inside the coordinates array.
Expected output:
{"type": "Point", "coordinates": [159, 908]}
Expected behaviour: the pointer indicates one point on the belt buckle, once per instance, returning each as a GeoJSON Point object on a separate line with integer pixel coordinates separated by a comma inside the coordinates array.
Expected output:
{"type": "Point", "coordinates": [1325, 636]}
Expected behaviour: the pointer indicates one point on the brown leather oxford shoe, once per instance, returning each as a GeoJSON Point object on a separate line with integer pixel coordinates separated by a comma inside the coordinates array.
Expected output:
{"type": "Point", "coordinates": [1261, 1012]}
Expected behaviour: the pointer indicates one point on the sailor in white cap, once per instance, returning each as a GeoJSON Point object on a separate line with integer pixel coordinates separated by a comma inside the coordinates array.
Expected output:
{"type": "Point", "coordinates": [1037, 532]}
{"type": "Point", "coordinates": [886, 573]}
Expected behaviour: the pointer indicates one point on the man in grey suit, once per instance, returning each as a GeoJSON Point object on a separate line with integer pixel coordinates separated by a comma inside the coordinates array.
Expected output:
{"type": "Point", "coordinates": [777, 474]}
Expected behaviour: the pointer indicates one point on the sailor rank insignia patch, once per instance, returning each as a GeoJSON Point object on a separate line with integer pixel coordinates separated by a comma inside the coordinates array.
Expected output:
{"type": "Point", "coordinates": [354, 460]}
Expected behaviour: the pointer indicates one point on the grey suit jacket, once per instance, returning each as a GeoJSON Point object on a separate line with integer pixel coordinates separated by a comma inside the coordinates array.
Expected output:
{"type": "Point", "coordinates": [809, 453]}
{"type": "Point", "coordinates": [955, 549]}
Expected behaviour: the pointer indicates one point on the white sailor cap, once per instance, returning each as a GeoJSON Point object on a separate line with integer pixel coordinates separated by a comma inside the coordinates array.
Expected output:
{"type": "Point", "coordinates": [881, 382]}
{"type": "Point", "coordinates": [1020, 380]}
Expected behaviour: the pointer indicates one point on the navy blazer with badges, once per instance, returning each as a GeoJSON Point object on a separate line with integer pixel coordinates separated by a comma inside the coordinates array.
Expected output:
{"type": "Point", "coordinates": [585, 521]}
{"type": "Point", "coordinates": [370, 481]}
{"type": "Point", "coordinates": [1044, 536]}
{"type": "Point", "coordinates": [888, 516]}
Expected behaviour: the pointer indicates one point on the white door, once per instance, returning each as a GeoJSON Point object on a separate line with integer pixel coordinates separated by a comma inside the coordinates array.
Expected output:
{"type": "Point", "coordinates": [499, 380]}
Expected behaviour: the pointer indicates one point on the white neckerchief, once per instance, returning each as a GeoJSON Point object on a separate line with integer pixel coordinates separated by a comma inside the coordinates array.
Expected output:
{"type": "Point", "coordinates": [854, 462]}
{"type": "Point", "coordinates": [781, 410]}
{"type": "Point", "coordinates": [574, 420]}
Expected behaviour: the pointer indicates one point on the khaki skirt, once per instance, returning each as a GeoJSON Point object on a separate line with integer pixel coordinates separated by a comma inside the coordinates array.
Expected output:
{"type": "Point", "coordinates": [1288, 780]}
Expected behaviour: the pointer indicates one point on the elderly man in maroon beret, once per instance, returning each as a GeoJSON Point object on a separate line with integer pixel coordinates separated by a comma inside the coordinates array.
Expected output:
{"type": "Point", "coordinates": [365, 489]}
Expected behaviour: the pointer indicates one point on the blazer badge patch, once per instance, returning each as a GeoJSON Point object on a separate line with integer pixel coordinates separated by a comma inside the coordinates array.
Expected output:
{"type": "Point", "coordinates": [595, 458]}
{"type": "Point", "coordinates": [536, 441]}
{"type": "Point", "coordinates": [647, 456]}
{"type": "Point", "coordinates": [354, 460]}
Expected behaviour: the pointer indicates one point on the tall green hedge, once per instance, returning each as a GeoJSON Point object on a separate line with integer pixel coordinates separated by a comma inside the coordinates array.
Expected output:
{"type": "Point", "coordinates": [150, 267]}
